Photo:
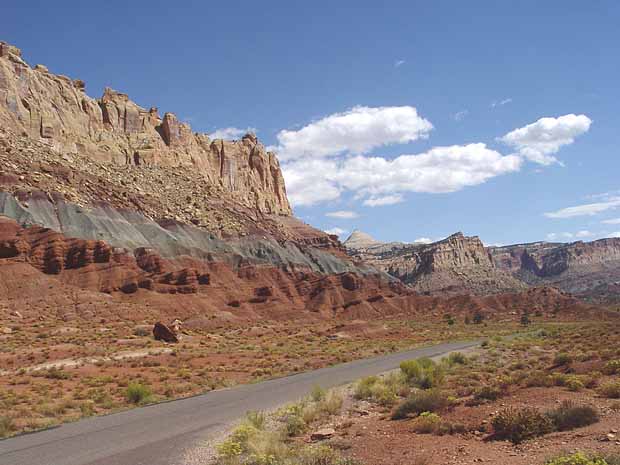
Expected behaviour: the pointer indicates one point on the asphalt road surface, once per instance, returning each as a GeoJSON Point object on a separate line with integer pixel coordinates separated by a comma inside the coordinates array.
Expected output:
{"type": "Point", "coordinates": [160, 434]}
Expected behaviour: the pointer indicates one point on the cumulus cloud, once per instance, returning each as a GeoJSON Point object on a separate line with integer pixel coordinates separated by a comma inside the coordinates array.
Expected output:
{"type": "Point", "coordinates": [230, 133]}
{"type": "Point", "coordinates": [382, 181]}
{"type": "Point", "coordinates": [356, 131]}
{"type": "Point", "coordinates": [588, 209]}
{"type": "Point", "coordinates": [336, 231]}
{"type": "Point", "coordinates": [343, 214]}
{"type": "Point", "coordinates": [383, 200]}
{"type": "Point", "coordinates": [540, 140]}
{"type": "Point", "coordinates": [584, 233]}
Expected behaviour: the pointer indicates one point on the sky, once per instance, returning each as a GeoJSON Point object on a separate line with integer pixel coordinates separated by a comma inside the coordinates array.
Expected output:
{"type": "Point", "coordinates": [407, 120]}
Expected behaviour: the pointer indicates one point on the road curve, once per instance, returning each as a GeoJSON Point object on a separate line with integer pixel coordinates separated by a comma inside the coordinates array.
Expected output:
{"type": "Point", "coordinates": [159, 434]}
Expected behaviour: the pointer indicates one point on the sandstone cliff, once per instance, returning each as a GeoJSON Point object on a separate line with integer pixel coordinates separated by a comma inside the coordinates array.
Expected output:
{"type": "Point", "coordinates": [55, 109]}
{"type": "Point", "coordinates": [455, 265]}
{"type": "Point", "coordinates": [589, 269]}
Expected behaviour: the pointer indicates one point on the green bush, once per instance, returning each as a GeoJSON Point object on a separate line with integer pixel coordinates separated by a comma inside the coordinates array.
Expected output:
{"type": "Point", "coordinates": [363, 389]}
{"type": "Point", "coordinates": [427, 423]}
{"type": "Point", "coordinates": [137, 393]}
{"type": "Point", "coordinates": [570, 416]}
{"type": "Point", "coordinates": [611, 390]}
{"type": "Point", "coordinates": [379, 390]}
{"type": "Point", "coordinates": [487, 393]}
{"type": "Point", "coordinates": [256, 419]}
{"type": "Point", "coordinates": [518, 425]}
{"type": "Point", "coordinates": [574, 384]}
{"type": "Point", "coordinates": [456, 358]}
{"type": "Point", "coordinates": [577, 459]}
{"type": "Point", "coordinates": [562, 359]}
{"type": "Point", "coordinates": [422, 401]}
{"type": "Point", "coordinates": [317, 393]}
{"type": "Point", "coordinates": [422, 373]}
{"type": "Point", "coordinates": [612, 367]}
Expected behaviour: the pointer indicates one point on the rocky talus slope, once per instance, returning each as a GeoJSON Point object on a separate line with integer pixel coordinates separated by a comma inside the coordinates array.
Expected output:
{"type": "Point", "coordinates": [455, 265]}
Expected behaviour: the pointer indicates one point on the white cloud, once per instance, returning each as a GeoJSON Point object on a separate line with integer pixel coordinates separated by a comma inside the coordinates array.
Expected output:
{"type": "Point", "coordinates": [230, 133]}
{"type": "Point", "coordinates": [384, 200]}
{"type": "Point", "coordinates": [584, 233]}
{"type": "Point", "coordinates": [439, 170]}
{"type": "Point", "coordinates": [336, 231]}
{"type": "Point", "coordinates": [612, 221]}
{"type": "Point", "coordinates": [588, 209]}
{"type": "Point", "coordinates": [615, 234]}
{"type": "Point", "coordinates": [308, 182]}
{"type": "Point", "coordinates": [501, 103]}
{"type": "Point", "coordinates": [563, 235]}
{"type": "Point", "coordinates": [423, 240]}
{"type": "Point", "coordinates": [540, 140]}
{"type": "Point", "coordinates": [460, 115]}
{"type": "Point", "coordinates": [343, 214]}
{"type": "Point", "coordinates": [356, 131]}
{"type": "Point", "coordinates": [399, 63]}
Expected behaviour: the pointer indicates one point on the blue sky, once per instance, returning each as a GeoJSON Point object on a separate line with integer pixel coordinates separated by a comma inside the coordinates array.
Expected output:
{"type": "Point", "coordinates": [372, 103]}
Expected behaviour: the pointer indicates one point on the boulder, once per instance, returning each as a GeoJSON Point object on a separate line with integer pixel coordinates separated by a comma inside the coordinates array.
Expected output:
{"type": "Point", "coordinates": [322, 434]}
{"type": "Point", "coordinates": [161, 332]}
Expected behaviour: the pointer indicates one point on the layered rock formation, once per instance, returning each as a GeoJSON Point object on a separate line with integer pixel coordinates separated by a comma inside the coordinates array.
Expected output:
{"type": "Point", "coordinates": [455, 265]}
{"type": "Point", "coordinates": [56, 110]}
{"type": "Point", "coordinates": [589, 269]}
{"type": "Point", "coordinates": [51, 277]}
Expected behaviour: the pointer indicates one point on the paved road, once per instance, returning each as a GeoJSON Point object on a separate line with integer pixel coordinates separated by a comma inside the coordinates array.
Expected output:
{"type": "Point", "coordinates": [159, 434]}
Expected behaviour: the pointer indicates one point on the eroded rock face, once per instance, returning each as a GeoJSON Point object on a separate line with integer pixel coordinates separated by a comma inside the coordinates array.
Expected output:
{"type": "Point", "coordinates": [455, 265]}
{"type": "Point", "coordinates": [589, 269]}
{"type": "Point", "coordinates": [55, 109]}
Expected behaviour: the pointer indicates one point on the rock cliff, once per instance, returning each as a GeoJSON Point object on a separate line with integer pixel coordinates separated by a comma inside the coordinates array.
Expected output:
{"type": "Point", "coordinates": [589, 269]}
{"type": "Point", "coordinates": [455, 265]}
{"type": "Point", "coordinates": [55, 110]}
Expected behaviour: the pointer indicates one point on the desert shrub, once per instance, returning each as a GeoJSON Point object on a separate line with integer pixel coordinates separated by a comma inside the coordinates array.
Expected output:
{"type": "Point", "coordinates": [382, 391]}
{"type": "Point", "coordinates": [570, 416]}
{"type": "Point", "coordinates": [577, 459]}
{"type": "Point", "coordinates": [562, 359]}
{"type": "Point", "coordinates": [294, 423]}
{"type": "Point", "coordinates": [331, 404]}
{"type": "Point", "coordinates": [611, 390]}
{"type": "Point", "coordinates": [574, 384]}
{"type": "Point", "coordinates": [518, 425]}
{"type": "Point", "coordinates": [422, 373]}
{"type": "Point", "coordinates": [456, 358]}
{"type": "Point", "coordinates": [487, 393]}
{"type": "Point", "coordinates": [6, 426]}
{"type": "Point", "coordinates": [317, 393]}
{"type": "Point", "coordinates": [363, 389]}
{"type": "Point", "coordinates": [612, 367]}
{"type": "Point", "coordinates": [421, 401]}
{"type": "Point", "coordinates": [137, 393]}
{"type": "Point", "coordinates": [427, 423]}
{"type": "Point", "coordinates": [256, 419]}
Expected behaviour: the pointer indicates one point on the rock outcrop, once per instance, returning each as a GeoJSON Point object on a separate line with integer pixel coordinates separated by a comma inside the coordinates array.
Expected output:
{"type": "Point", "coordinates": [455, 265]}
{"type": "Point", "coordinates": [55, 110]}
{"type": "Point", "coordinates": [589, 269]}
